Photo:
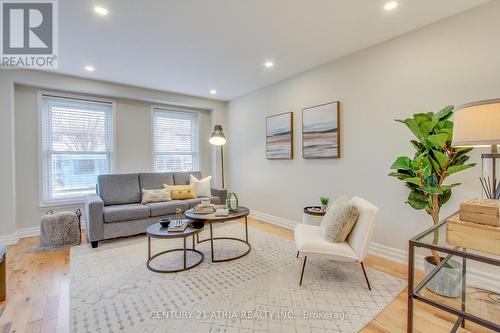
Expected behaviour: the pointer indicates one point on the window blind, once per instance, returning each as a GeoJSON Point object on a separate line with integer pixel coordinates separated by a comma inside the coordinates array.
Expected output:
{"type": "Point", "coordinates": [77, 146]}
{"type": "Point", "coordinates": [176, 140]}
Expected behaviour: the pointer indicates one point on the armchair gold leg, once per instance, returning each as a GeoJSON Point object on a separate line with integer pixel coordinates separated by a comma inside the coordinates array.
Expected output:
{"type": "Point", "coordinates": [366, 276]}
{"type": "Point", "coordinates": [303, 267]}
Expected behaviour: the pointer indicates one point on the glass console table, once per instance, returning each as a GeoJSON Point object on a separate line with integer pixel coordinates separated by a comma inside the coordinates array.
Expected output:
{"type": "Point", "coordinates": [434, 238]}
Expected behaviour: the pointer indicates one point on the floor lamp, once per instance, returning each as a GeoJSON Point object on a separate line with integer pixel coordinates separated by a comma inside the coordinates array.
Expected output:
{"type": "Point", "coordinates": [478, 125]}
{"type": "Point", "coordinates": [219, 139]}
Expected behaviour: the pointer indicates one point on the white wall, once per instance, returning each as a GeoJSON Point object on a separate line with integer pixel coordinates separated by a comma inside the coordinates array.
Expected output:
{"type": "Point", "coordinates": [18, 130]}
{"type": "Point", "coordinates": [451, 62]}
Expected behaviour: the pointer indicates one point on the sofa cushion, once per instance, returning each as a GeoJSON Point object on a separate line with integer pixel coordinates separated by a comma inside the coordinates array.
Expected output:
{"type": "Point", "coordinates": [155, 180]}
{"type": "Point", "coordinates": [182, 178]}
{"type": "Point", "coordinates": [119, 188]}
{"type": "Point", "coordinates": [167, 207]}
{"type": "Point", "coordinates": [194, 202]}
{"type": "Point", "coordinates": [116, 213]}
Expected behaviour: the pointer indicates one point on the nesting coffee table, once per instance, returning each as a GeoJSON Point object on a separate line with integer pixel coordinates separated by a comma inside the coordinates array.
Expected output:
{"type": "Point", "coordinates": [157, 231]}
{"type": "Point", "coordinates": [210, 219]}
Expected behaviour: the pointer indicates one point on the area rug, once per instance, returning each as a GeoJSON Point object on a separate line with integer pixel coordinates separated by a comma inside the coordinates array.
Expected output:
{"type": "Point", "coordinates": [113, 291]}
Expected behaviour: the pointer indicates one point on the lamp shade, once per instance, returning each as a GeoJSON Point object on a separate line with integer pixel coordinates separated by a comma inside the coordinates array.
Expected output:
{"type": "Point", "coordinates": [477, 124]}
{"type": "Point", "coordinates": [217, 138]}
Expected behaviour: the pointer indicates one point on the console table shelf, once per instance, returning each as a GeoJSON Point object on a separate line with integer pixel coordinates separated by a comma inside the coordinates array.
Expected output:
{"type": "Point", "coordinates": [418, 292]}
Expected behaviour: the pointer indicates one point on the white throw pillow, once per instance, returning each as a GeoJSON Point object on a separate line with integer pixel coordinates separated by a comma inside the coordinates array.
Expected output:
{"type": "Point", "coordinates": [339, 220]}
{"type": "Point", "coordinates": [202, 186]}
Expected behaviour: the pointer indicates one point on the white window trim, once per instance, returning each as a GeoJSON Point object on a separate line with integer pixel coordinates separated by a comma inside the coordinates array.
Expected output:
{"type": "Point", "coordinates": [77, 201]}
{"type": "Point", "coordinates": [173, 109]}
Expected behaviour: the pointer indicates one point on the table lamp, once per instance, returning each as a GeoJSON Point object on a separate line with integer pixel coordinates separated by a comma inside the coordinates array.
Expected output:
{"type": "Point", "coordinates": [478, 125]}
{"type": "Point", "coordinates": [219, 139]}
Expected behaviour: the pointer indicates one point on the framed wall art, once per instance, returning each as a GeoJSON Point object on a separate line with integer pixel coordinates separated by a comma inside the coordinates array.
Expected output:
{"type": "Point", "coordinates": [279, 136]}
{"type": "Point", "coordinates": [321, 131]}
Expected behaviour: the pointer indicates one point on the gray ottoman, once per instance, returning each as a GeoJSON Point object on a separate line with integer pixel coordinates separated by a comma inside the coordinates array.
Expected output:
{"type": "Point", "coordinates": [58, 230]}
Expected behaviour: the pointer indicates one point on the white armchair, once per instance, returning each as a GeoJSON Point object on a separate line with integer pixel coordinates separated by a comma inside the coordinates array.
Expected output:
{"type": "Point", "coordinates": [310, 242]}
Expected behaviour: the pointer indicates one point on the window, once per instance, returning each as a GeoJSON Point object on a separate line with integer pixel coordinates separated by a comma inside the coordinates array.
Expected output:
{"type": "Point", "coordinates": [77, 146]}
{"type": "Point", "coordinates": [176, 140]}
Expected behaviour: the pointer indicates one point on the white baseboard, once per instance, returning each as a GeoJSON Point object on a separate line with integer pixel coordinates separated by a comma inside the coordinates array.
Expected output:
{"type": "Point", "coordinates": [14, 238]}
{"type": "Point", "coordinates": [279, 221]}
{"type": "Point", "coordinates": [20, 233]}
{"type": "Point", "coordinates": [476, 278]}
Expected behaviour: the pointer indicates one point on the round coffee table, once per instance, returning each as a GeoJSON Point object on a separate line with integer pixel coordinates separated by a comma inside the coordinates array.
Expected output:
{"type": "Point", "coordinates": [157, 231]}
{"type": "Point", "coordinates": [242, 212]}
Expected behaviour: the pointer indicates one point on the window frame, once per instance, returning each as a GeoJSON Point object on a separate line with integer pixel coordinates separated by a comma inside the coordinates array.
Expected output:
{"type": "Point", "coordinates": [179, 110]}
{"type": "Point", "coordinates": [44, 202]}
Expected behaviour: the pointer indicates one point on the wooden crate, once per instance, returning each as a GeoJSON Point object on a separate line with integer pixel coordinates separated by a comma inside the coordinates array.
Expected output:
{"type": "Point", "coordinates": [473, 236]}
{"type": "Point", "coordinates": [484, 211]}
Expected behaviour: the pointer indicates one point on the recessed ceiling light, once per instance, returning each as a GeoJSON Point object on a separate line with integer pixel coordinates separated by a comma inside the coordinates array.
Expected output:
{"type": "Point", "coordinates": [101, 10]}
{"type": "Point", "coordinates": [213, 91]}
{"type": "Point", "coordinates": [89, 68]}
{"type": "Point", "coordinates": [269, 64]}
{"type": "Point", "coordinates": [391, 5]}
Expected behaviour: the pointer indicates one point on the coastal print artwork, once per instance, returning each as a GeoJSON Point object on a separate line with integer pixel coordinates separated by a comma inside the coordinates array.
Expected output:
{"type": "Point", "coordinates": [279, 136]}
{"type": "Point", "coordinates": [320, 131]}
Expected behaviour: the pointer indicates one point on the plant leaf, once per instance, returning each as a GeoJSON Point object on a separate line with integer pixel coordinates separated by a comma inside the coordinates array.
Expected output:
{"type": "Point", "coordinates": [438, 140]}
{"type": "Point", "coordinates": [444, 113]}
{"type": "Point", "coordinates": [428, 126]}
{"type": "Point", "coordinates": [440, 157]}
{"type": "Point", "coordinates": [399, 175]}
{"type": "Point", "coordinates": [414, 180]}
{"type": "Point", "coordinates": [444, 197]}
{"type": "Point", "coordinates": [402, 162]}
{"type": "Point", "coordinates": [413, 126]}
{"type": "Point", "coordinates": [457, 168]}
{"type": "Point", "coordinates": [443, 188]}
{"type": "Point", "coordinates": [417, 200]}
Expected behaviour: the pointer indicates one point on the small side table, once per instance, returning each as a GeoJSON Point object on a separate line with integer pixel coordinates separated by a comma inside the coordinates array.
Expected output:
{"type": "Point", "coordinates": [157, 231]}
{"type": "Point", "coordinates": [312, 217]}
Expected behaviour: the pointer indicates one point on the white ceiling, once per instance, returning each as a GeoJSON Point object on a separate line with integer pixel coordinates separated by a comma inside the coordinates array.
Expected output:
{"type": "Point", "coordinates": [192, 46]}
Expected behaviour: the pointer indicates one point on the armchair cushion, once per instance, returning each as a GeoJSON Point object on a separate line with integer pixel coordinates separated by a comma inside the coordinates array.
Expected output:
{"type": "Point", "coordinates": [309, 240]}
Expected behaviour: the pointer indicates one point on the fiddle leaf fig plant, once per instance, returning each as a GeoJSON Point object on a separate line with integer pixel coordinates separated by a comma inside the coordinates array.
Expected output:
{"type": "Point", "coordinates": [434, 160]}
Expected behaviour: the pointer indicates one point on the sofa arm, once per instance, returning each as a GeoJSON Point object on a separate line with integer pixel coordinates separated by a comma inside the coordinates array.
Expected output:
{"type": "Point", "coordinates": [221, 193]}
{"type": "Point", "coordinates": [94, 217]}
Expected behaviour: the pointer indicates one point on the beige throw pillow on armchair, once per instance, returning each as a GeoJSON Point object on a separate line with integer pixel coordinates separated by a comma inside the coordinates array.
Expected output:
{"type": "Point", "coordinates": [339, 220]}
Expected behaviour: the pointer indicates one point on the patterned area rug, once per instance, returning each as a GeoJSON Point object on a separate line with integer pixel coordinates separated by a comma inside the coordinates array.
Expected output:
{"type": "Point", "coordinates": [113, 291]}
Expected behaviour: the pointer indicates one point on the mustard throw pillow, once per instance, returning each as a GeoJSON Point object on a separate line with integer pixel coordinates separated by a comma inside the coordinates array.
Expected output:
{"type": "Point", "coordinates": [181, 192]}
{"type": "Point", "coordinates": [160, 195]}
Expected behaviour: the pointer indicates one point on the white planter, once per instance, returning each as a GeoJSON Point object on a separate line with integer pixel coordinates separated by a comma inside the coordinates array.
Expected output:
{"type": "Point", "coordinates": [448, 281]}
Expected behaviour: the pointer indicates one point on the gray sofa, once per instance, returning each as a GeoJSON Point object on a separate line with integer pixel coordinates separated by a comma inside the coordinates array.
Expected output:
{"type": "Point", "coordinates": [116, 209]}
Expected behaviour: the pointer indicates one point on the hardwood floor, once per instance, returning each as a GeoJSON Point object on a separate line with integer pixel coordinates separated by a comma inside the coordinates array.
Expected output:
{"type": "Point", "coordinates": [38, 294]}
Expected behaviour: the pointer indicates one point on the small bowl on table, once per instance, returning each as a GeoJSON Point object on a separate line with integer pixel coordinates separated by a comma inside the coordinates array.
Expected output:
{"type": "Point", "coordinates": [197, 224]}
{"type": "Point", "coordinates": [164, 223]}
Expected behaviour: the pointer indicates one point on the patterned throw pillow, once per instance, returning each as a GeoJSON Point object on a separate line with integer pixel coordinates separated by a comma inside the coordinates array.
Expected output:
{"type": "Point", "coordinates": [181, 192]}
{"type": "Point", "coordinates": [339, 220]}
{"type": "Point", "coordinates": [160, 195]}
